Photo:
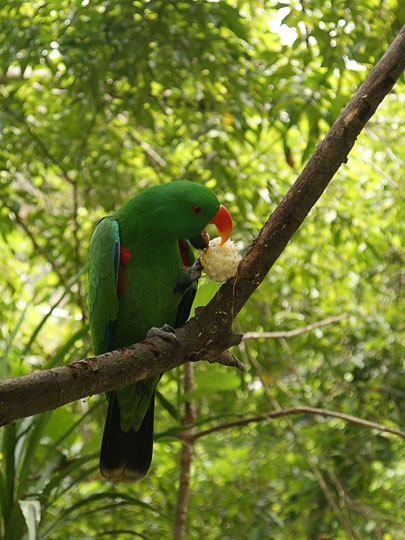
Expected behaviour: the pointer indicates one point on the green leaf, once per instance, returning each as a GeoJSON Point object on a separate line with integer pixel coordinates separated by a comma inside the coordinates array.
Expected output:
{"type": "Point", "coordinates": [29, 444]}
{"type": "Point", "coordinates": [3, 360]}
{"type": "Point", "coordinates": [32, 514]}
{"type": "Point", "coordinates": [205, 292]}
{"type": "Point", "coordinates": [65, 349]}
{"type": "Point", "coordinates": [65, 514]}
{"type": "Point", "coordinates": [212, 381]}
{"type": "Point", "coordinates": [38, 328]}
{"type": "Point", "coordinates": [168, 406]}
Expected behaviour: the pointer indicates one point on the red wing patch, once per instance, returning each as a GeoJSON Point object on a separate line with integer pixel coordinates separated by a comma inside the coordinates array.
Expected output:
{"type": "Point", "coordinates": [125, 257]}
{"type": "Point", "coordinates": [184, 251]}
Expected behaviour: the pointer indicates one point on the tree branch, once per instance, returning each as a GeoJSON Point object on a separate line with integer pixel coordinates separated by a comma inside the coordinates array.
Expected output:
{"type": "Point", "coordinates": [296, 331]}
{"type": "Point", "coordinates": [208, 334]}
{"type": "Point", "coordinates": [300, 410]}
{"type": "Point", "coordinates": [302, 448]}
{"type": "Point", "coordinates": [52, 388]}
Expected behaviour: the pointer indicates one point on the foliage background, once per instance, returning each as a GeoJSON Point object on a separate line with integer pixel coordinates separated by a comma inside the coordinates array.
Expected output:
{"type": "Point", "coordinates": [100, 99]}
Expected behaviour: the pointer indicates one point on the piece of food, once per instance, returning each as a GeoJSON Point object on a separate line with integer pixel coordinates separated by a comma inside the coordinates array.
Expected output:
{"type": "Point", "coordinates": [220, 262]}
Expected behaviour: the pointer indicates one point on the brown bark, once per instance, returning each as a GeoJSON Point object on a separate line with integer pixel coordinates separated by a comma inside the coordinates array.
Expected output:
{"type": "Point", "coordinates": [52, 388]}
{"type": "Point", "coordinates": [208, 334]}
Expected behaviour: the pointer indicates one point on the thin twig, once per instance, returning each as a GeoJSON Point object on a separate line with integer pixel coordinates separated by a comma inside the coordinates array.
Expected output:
{"type": "Point", "coordinates": [38, 248]}
{"type": "Point", "coordinates": [296, 331]}
{"type": "Point", "coordinates": [37, 139]}
{"type": "Point", "coordinates": [187, 454]}
{"type": "Point", "coordinates": [153, 158]}
{"type": "Point", "coordinates": [76, 248]}
{"type": "Point", "coordinates": [341, 512]}
{"type": "Point", "coordinates": [300, 410]}
{"type": "Point", "coordinates": [341, 516]}
{"type": "Point", "coordinates": [323, 485]}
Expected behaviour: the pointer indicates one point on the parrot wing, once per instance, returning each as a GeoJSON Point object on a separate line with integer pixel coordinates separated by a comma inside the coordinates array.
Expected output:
{"type": "Point", "coordinates": [103, 275]}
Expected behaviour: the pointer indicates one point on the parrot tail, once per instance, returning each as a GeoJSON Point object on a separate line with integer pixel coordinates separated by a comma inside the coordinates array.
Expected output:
{"type": "Point", "coordinates": [126, 456]}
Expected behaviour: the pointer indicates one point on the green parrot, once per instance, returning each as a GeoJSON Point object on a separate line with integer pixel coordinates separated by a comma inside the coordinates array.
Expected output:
{"type": "Point", "coordinates": [143, 276]}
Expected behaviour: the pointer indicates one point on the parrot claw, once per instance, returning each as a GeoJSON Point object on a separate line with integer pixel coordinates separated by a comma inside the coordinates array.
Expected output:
{"type": "Point", "coordinates": [196, 269]}
{"type": "Point", "coordinates": [167, 333]}
{"type": "Point", "coordinates": [189, 275]}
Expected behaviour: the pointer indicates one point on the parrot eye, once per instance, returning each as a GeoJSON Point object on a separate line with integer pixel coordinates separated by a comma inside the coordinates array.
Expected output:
{"type": "Point", "coordinates": [196, 210]}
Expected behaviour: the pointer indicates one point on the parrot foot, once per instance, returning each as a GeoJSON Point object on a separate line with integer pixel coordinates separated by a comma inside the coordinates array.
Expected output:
{"type": "Point", "coordinates": [196, 269]}
{"type": "Point", "coordinates": [189, 275]}
{"type": "Point", "coordinates": [166, 332]}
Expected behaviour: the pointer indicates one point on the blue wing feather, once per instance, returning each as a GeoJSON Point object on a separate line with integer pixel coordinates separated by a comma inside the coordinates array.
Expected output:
{"type": "Point", "coordinates": [103, 275]}
{"type": "Point", "coordinates": [115, 251]}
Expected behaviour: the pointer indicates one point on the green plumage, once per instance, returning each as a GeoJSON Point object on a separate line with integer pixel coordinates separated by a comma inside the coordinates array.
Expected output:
{"type": "Point", "coordinates": [134, 268]}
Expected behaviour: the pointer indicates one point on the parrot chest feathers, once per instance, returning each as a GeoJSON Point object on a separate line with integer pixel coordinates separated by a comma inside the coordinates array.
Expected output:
{"type": "Point", "coordinates": [146, 292]}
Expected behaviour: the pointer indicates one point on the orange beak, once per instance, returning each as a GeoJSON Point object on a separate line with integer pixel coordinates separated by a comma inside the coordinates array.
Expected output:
{"type": "Point", "coordinates": [223, 222]}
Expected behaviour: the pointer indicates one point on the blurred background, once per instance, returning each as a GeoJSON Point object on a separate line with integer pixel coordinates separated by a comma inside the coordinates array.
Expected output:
{"type": "Point", "coordinates": [100, 99]}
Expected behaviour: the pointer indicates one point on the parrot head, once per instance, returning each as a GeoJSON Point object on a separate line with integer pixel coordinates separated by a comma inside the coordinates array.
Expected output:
{"type": "Point", "coordinates": [183, 209]}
